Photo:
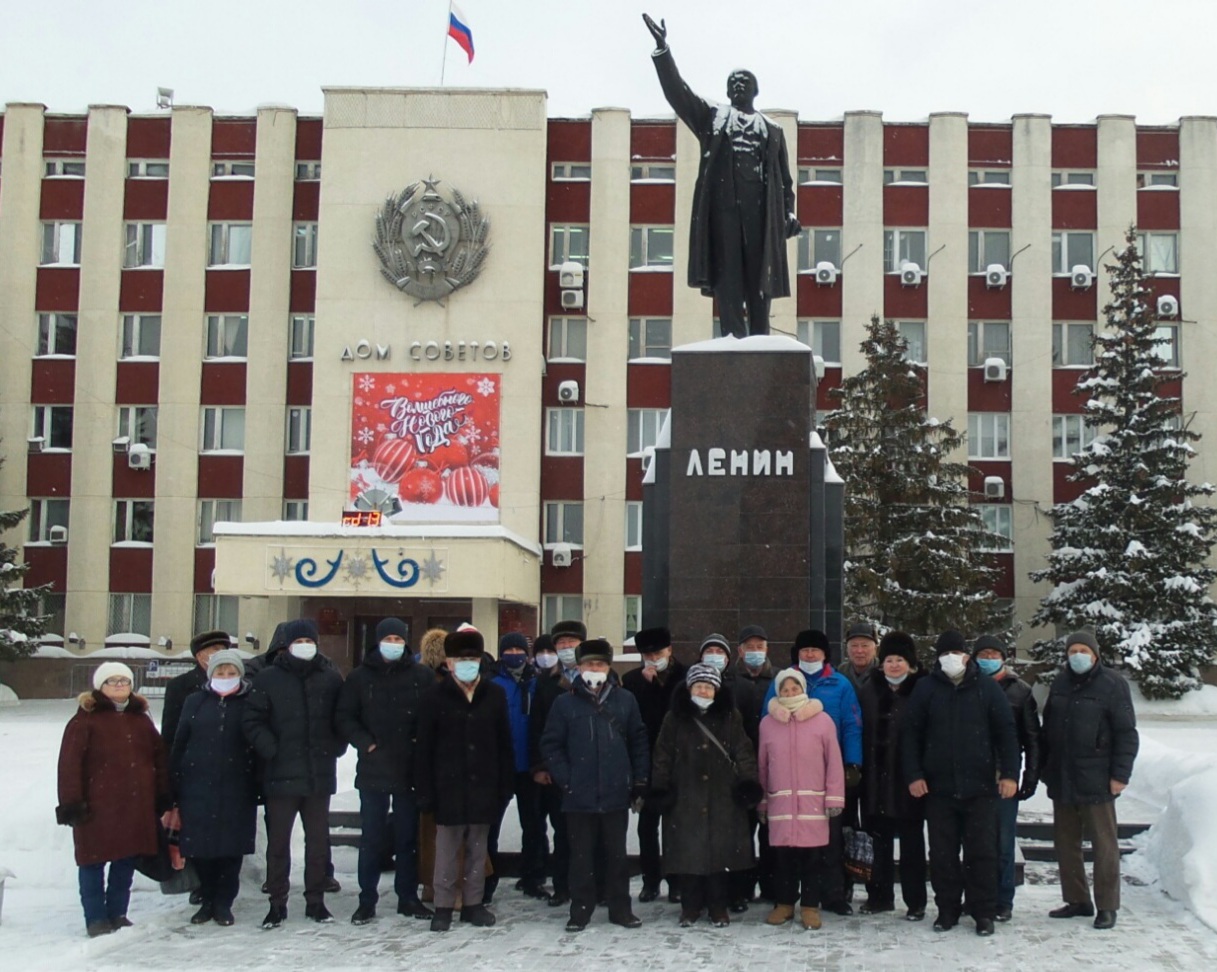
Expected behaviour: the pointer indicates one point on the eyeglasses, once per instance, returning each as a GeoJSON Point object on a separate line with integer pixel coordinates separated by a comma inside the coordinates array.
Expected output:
{"type": "Point", "coordinates": [118, 682]}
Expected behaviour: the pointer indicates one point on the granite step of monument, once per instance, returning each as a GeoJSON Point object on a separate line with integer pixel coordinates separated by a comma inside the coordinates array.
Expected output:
{"type": "Point", "coordinates": [1041, 830]}
{"type": "Point", "coordinates": [1042, 852]}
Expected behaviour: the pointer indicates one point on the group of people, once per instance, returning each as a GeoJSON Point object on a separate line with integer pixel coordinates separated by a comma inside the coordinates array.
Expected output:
{"type": "Point", "coordinates": [741, 775]}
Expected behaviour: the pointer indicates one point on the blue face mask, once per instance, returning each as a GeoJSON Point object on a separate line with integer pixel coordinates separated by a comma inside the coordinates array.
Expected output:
{"type": "Point", "coordinates": [755, 659]}
{"type": "Point", "coordinates": [715, 660]}
{"type": "Point", "coordinates": [1081, 662]}
{"type": "Point", "coordinates": [514, 659]}
{"type": "Point", "coordinates": [390, 651]}
{"type": "Point", "coordinates": [567, 656]}
{"type": "Point", "coordinates": [466, 670]}
{"type": "Point", "coordinates": [990, 666]}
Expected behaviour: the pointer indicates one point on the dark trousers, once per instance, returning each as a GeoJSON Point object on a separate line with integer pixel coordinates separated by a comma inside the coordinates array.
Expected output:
{"type": "Point", "coordinates": [1097, 820]}
{"type": "Point", "coordinates": [587, 832]}
{"type": "Point", "coordinates": [970, 824]}
{"type": "Point", "coordinates": [742, 884]}
{"type": "Point", "coordinates": [104, 900]}
{"type": "Point", "coordinates": [533, 841]}
{"type": "Point", "coordinates": [736, 250]}
{"type": "Point", "coordinates": [281, 814]}
{"type": "Point", "coordinates": [219, 879]}
{"type": "Point", "coordinates": [374, 823]}
{"type": "Point", "coordinates": [834, 862]}
{"type": "Point", "coordinates": [797, 866]}
{"type": "Point", "coordinates": [884, 833]}
{"type": "Point", "coordinates": [701, 891]}
{"type": "Point", "coordinates": [559, 860]}
{"type": "Point", "coordinates": [1007, 824]}
{"type": "Point", "coordinates": [649, 855]}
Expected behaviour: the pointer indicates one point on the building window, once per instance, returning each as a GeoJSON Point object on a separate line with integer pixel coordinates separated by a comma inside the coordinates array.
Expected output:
{"type": "Point", "coordinates": [213, 511]}
{"type": "Point", "coordinates": [53, 607]}
{"type": "Point", "coordinates": [810, 176]}
{"type": "Point", "coordinates": [1060, 179]}
{"type": "Point", "coordinates": [232, 169]}
{"type": "Point", "coordinates": [567, 339]}
{"type": "Point", "coordinates": [560, 607]}
{"type": "Point", "coordinates": [988, 435]}
{"type": "Point", "coordinates": [230, 244]}
{"type": "Point", "coordinates": [138, 423]}
{"type": "Point", "coordinates": [308, 171]}
{"type": "Point", "coordinates": [653, 172]}
{"type": "Point", "coordinates": [215, 612]}
{"type": "Point", "coordinates": [987, 247]}
{"type": "Point", "coordinates": [53, 424]}
{"type": "Point", "coordinates": [56, 335]}
{"type": "Point", "coordinates": [223, 430]}
{"type": "Point", "coordinates": [651, 246]}
{"type": "Point", "coordinates": [1070, 435]}
{"type": "Point", "coordinates": [824, 339]}
{"type": "Point", "coordinates": [65, 168]}
{"type": "Point", "coordinates": [44, 514]}
{"type": "Point", "coordinates": [1073, 344]}
{"type": "Point", "coordinates": [1072, 249]}
{"type": "Point", "coordinates": [642, 428]}
{"type": "Point", "coordinates": [145, 245]}
{"type": "Point", "coordinates": [567, 243]}
{"type": "Point", "coordinates": [147, 168]}
{"type": "Point", "coordinates": [141, 336]}
{"type": "Point", "coordinates": [133, 521]}
{"type": "Point", "coordinates": [131, 614]}
{"type": "Point", "coordinates": [299, 430]}
{"type": "Point", "coordinates": [901, 246]}
{"type": "Point", "coordinates": [304, 246]}
{"type": "Point", "coordinates": [913, 333]}
{"type": "Point", "coordinates": [227, 336]}
{"type": "Point", "coordinates": [1159, 252]}
{"type": "Point", "coordinates": [988, 339]}
{"type": "Point", "coordinates": [650, 337]}
{"type": "Point", "coordinates": [61, 244]}
{"type": "Point", "coordinates": [564, 431]}
{"type": "Point", "coordinates": [300, 338]}
{"type": "Point", "coordinates": [988, 177]}
{"type": "Point", "coordinates": [1167, 348]}
{"type": "Point", "coordinates": [1161, 180]}
{"type": "Point", "coordinates": [295, 510]}
{"type": "Point", "coordinates": [564, 523]}
{"type": "Point", "coordinates": [633, 614]}
{"type": "Point", "coordinates": [819, 246]}
{"type": "Point", "coordinates": [998, 519]}
{"type": "Point", "coordinates": [571, 171]}
{"type": "Point", "coordinates": [633, 525]}
{"type": "Point", "coordinates": [904, 176]}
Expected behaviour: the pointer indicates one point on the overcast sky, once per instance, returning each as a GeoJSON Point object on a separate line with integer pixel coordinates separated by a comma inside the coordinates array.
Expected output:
{"type": "Point", "coordinates": [1072, 59]}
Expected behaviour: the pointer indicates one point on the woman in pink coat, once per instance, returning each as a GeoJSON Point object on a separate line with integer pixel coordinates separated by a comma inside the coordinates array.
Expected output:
{"type": "Point", "coordinates": [804, 782]}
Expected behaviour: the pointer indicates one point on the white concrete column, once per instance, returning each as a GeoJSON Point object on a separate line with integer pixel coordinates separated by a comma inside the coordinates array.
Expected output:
{"type": "Point", "coordinates": [1116, 184]}
{"type": "Point", "coordinates": [783, 316]}
{"type": "Point", "coordinates": [947, 279]}
{"type": "Point", "coordinates": [862, 225]}
{"type": "Point", "coordinates": [692, 314]}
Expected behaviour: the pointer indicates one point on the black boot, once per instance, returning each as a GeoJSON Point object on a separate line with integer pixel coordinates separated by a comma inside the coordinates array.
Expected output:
{"type": "Point", "coordinates": [414, 908]}
{"type": "Point", "coordinates": [477, 915]}
{"type": "Point", "coordinates": [442, 920]}
{"type": "Point", "coordinates": [203, 915]}
{"type": "Point", "coordinates": [223, 915]}
{"type": "Point", "coordinates": [1105, 919]}
{"type": "Point", "coordinates": [275, 917]}
{"type": "Point", "coordinates": [1076, 910]}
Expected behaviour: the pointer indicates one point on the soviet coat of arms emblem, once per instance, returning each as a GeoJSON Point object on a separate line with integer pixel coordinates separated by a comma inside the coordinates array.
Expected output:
{"type": "Point", "coordinates": [430, 246]}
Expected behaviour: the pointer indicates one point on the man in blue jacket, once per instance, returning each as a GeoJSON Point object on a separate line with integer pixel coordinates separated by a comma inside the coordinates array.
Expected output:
{"type": "Point", "coordinates": [596, 750]}
{"type": "Point", "coordinates": [960, 752]}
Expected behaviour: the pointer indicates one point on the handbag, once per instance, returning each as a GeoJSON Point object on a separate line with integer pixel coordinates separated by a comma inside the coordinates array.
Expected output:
{"type": "Point", "coordinates": [859, 853]}
{"type": "Point", "coordinates": [164, 868]}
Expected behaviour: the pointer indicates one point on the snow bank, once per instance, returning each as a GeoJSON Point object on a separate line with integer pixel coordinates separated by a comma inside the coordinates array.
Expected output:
{"type": "Point", "coordinates": [1199, 704]}
{"type": "Point", "coordinates": [8, 696]}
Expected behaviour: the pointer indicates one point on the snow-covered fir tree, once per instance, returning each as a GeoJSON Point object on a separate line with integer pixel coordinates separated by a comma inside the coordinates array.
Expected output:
{"type": "Point", "coordinates": [1130, 555]}
{"type": "Point", "coordinates": [914, 548]}
{"type": "Point", "coordinates": [20, 623]}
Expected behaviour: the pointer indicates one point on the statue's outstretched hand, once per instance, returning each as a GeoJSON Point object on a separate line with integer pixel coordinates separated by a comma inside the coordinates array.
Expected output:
{"type": "Point", "coordinates": [793, 227]}
{"type": "Point", "coordinates": [658, 30]}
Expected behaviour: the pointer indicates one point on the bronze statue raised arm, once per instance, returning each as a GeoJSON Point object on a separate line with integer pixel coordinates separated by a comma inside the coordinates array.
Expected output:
{"type": "Point", "coordinates": [743, 203]}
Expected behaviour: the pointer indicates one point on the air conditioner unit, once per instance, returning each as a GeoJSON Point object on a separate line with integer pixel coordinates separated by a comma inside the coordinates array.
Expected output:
{"type": "Point", "coordinates": [826, 273]}
{"type": "Point", "coordinates": [1168, 306]}
{"type": "Point", "coordinates": [911, 274]}
{"type": "Point", "coordinates": [572, 299]}
{"type": "Point", "coordinates": [570, 275]}
{"type": "Point", "coordinates": [996, 276]}
{"type": "Point", "coordinates": [995, 487]}
{"type": "Point", "coordinates": [568, 392]}
{"type": "Point", "coordinates": [817, 364]}
{"type": "Point", "coordinates": [122, 444]}
{"type": "Point", "coordinates": [35, 443]}
{"type": "Point", "coordinates": [139, 456]}
{"type": "Point", "coordinates": [995, 369]}
{"type": "Point", "coordinates": [563, 554]}
{"type": "Point", "coordinates": [58, 535]}
{"type": "Point", "coordinates": [1081, 277]}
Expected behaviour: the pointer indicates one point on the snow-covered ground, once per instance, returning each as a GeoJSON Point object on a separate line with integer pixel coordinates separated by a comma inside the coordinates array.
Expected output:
{"type": "Point", "coordinates": [1168, 919]}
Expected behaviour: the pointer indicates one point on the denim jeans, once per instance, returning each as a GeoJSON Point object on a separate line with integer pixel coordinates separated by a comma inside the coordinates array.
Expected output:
{"type": "Point", "coordinates": [1007, 821]}
{"type": "Point", "coordinates": [102, 901]}
{"type": "Point", "coordinates": [374, 823]}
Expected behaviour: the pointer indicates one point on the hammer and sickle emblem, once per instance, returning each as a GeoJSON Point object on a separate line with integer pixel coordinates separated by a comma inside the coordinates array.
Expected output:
{"type": "Point", "coordinates": [431, 234]}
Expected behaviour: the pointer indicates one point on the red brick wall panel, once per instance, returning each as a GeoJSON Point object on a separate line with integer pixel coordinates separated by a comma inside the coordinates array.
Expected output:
{"type": "Point", "coordinates": [820, 206]}
{"type": "Point", "coordinates": [303, 299]}
{"type": "Point", "coordinates": [146, 199]}
{"type": "Point", "coordinates": [48, 474]}
{"type": "Point", "coordinates": [131, 570]}
{"type": "Point", "coordinates": [295, 477]}
{"type": "Point", "coordinates": [651, 294]}
{"type": "Point", "coordinates": [141, 291]}
{"type": "Point", "coordinates": [1075, 209]}
{"type": "Point", "coordinates": [57, 289]}
{"type": "Point", "coordinates": [988, 303]}
{"type": "Point", "coordinates": [816, 300]}
{"type": "Point", "coordinates": [231, 200]}
{"type": "Point", "coordinates": [652, 202]}
{"type": "Point", "coordinates": [227, 292]}
{"type": "Point", "coordinates": [220, 477]}
{"type": "Point", "coordinates": [648, 386]}
{"type": "Point", "coordinates": [137, 383]}
{"type": "Point", "coordinates": [906, 145]}
{"type": "Point", "coordinates": [131, 483]}
{"type": "Point", "coordinates": [1075, 147]}
{"type": "Point", "coordinates": [1157, 209]}
{"type": "Point", "coordinates": [1074, 305]}
{"type": "Point", "coordinates": [990, 146]}
{"type": "Point", "coordinates": [906, 205]}
{"type": "Point", "coordinates": [53, 381]}
{"type": "Point", "coordinates": [989, 208]}
{"type": "Point", "coordinates": [149, 138]}
{"type": "Point", "coordinates": [62, 199]}
{"type": "Point", "coordinates": [300, 383]}
{"type": "Point", "coordinates": [223, 383]}
{"type": "Point", "coordinates": [904, 303]}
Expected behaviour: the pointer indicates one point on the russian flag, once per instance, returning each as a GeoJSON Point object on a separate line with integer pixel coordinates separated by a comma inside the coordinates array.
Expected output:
{"type": "Point", "coordinates": [459, 31]}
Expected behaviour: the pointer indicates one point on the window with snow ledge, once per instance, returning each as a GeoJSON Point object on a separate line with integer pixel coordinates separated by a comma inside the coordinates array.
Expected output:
{"type": "Point", "coordinates": [650, 339]}
{"type": "Point", "coordinates": [811, 176]}
{"type": "Point", "coordinates": [1073, 180]}
{"type": "Point", "coordinates": [988, 435]}
{"type": "Point", "coordinates": [989, 178]}
{"type": "Point", "coordinates": [56, 336]}
{"type": "Point", "coordinates": [651, 247]}
{"type": "Point", "coordinates": [998, 519]}
{"type": "Point", "coordinates": [818, 246]}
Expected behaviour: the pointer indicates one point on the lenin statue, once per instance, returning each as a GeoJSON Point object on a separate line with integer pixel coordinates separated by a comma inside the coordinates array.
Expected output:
{"type": "Point", "coordinates": [743, 203]}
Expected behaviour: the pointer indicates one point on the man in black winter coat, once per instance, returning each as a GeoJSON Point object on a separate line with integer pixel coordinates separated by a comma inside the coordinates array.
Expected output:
{"type": "Point", "coordinates": [1087, 749]}
{"type": "Point", "coordinates": [377, 713]}
{"type": "Point", "coordinates": [990, 654]}
{"type": "Point", "coordinates": [960, 752]}
{"type": "Point", "coordinates": [289, 721]}
{"type": "Point", "coordinates": [653, 684]}
{"type": "Point", "coordinates": [202, 647]}
{"type": "Point", "coordinates": [551, 685]}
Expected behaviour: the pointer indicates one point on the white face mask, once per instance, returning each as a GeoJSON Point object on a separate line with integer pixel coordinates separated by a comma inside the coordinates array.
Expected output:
{"type": "Point", "coordinates": [1081, 662]}
{"type": "Point", "coordinates": [659, 664]}
{"type": "Point", "coordinates": [896, 679]}
{"type": "Point", "coordinates": [304, 650]}
{"type": "Point", "coordinates": [953, 664]}
{"type": "Point", "coordinates": [702, 702]}
{"type": "Point", "coordinates": [546, 660]}
{"type": "Point", "coordinates": [225, 686]}
{"type": "Point", "coordinates": [391, 651]}
{"type": "Point", "coordinates": [810, 668]}
{"type": "Point", "coordinates": [593, 680]}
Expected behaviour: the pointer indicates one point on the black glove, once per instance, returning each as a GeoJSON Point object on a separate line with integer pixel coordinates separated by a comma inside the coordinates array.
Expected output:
{"type": "Point", "coordinates": [747, 794]}
{"type": "Point", "coordinates": [853, 775]}
{"type": "Point", "coordinates": [72, 814]}
{"type": "Point", "coordinates": [1030, 785]}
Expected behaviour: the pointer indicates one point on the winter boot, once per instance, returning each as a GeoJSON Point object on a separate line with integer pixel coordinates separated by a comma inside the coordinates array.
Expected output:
{"type": "Point", "coordinates": [205, 913]}
{"type": "Point", "coordinates": [477, 915]}
{"type": "Point", "coordinates": [98, 928]}
{"type": "Point", "coordinates": [318, 913]}
{"type": "Point", "coordinates": [223, 915]}
{"type": "Point", "coordinates": [275, 917]}
{"type": "Point", "coordinates": [780, 914]}
{"type": "Point", "coordinates": [810, 918]}
{"type": "Point", "coordinates": [442, 920]}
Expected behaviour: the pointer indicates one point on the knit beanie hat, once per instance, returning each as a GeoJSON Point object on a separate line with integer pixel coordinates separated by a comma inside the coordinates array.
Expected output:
{"type": "Point", "coordinates": [111, 669]}
{"type": "Point", "coordinates": [465, 642]}
{"type": "Point", "coordinates": [811, 638]}
{"type": "Point", "coordinates": [207, 640]}
{"type": "Point", "coordinates": [714, 640]}
{"type": "Point", "coordinates": [542, 642]}
{"type": "Point", "coordinates": [573, 629]}
{"type": "Point", "coordinates": [701, 672]}
{"type": "Point", "coordinates": [780, 678]}
{"type": "Point", "coordinates": [898, 643]}
{"type": "Point", "coordinates": [598, 649]}
{"type": "Point", "coordinates": [1083, 637]}
{"type": "Point", "coordinates": [652, 639]}
{"type": "Point", "coordinates": [513, 641]}
{"type": "Point", "coordinates": [986, 642]}
{"type": "Point", "coordinates": [392, 626]}
{"type": "Point", "coordinates": [226, 657]}
{"type": "Point", "coordinates": [300, 628]}
{"type": "Point", "coordinates": [949, 641]}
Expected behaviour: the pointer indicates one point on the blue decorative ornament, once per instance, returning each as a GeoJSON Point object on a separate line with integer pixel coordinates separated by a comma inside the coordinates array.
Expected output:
{"type": "Point", "coordinates": [306, 570]}
{"type": "Point", "coordinates": [407, 571]}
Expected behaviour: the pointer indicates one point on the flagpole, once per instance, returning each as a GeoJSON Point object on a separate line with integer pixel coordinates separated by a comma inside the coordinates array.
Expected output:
{"type": "Point", "coordinates": [443, 61]}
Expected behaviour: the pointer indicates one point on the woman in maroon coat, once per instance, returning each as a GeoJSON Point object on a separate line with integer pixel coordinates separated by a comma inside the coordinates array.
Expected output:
{"type": "Point", "coordinates": [112, 784]}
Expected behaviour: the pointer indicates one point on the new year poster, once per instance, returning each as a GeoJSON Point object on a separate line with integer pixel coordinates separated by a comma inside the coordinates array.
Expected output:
{"type": "Point", "coordinates": [425, 448]}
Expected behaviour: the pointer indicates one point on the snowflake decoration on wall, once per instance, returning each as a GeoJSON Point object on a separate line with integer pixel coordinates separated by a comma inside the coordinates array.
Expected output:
{"type": "Point", "coordinates": [485, 387]}
{"type": "Point", "coordinates": [281, 566]}
{"type": "Point", "coordinates": [367, 383]}
{"type": "Point", "coordinates": [357, 569]}
{"type": "Point", "coordinates": [432, 569]}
